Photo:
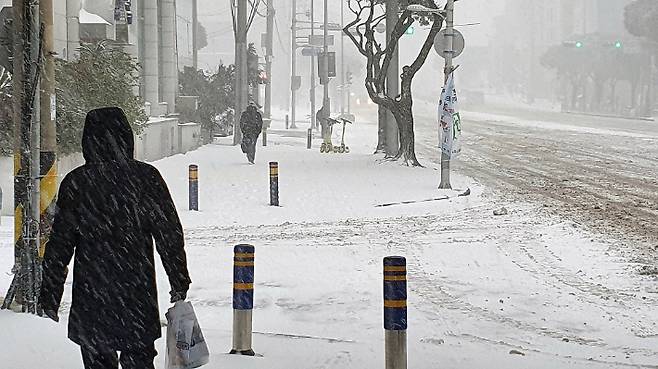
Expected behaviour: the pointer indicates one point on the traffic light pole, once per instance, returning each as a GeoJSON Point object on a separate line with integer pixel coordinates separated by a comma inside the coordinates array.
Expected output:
{"type": "Point", "coordinates": [445, 158]}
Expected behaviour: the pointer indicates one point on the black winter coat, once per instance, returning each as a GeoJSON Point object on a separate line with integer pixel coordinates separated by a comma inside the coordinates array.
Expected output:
{"type": "Point", "coordinates": [109, 212]}
{"type": "Point", "coordinates": [251, 123]}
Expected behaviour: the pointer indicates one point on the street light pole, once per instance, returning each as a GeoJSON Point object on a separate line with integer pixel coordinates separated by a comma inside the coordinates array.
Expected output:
{"type": "Point", "coordinates": [449, 53]}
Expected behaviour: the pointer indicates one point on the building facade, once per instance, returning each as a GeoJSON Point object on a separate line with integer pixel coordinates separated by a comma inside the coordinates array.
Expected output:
{"type": "Point", "coordinates": [159, 34]}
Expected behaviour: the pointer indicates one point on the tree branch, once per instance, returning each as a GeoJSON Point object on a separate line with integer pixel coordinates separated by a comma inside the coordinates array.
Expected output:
{"type": "Point", "coordinates": [400, 28]}
{"type": "Point", "coordinates": [427, 46]}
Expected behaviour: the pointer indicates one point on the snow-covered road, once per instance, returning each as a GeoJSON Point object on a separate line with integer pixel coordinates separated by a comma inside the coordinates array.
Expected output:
{"type": "Point", "coordinates": [602, 172]}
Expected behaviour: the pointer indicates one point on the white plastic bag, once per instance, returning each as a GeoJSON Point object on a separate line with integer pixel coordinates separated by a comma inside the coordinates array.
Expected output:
{"type": "Point", "coordinates": [186, 347]}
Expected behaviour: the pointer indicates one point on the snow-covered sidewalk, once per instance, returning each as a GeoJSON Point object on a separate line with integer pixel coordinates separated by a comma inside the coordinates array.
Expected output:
{"type": "Point", "coordinates": [518, 291]}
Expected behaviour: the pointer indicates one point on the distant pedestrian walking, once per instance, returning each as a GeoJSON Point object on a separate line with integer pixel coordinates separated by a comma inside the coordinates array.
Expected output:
{"type": "Point", "coordinates": [109, 212]}
{"type": "Point", "coordinates": [251, 124]}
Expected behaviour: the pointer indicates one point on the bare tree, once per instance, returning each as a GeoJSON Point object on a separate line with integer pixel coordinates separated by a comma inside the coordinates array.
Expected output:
{"type": "Point", "coordinates": [368, 15]}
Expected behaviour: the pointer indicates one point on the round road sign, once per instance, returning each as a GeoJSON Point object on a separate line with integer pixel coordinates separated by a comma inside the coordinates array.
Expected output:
{"type": "Point", "coordinates": [441, 41]}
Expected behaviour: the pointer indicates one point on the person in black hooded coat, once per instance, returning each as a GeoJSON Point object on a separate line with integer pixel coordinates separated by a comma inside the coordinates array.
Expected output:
{"type": "Point", "coordinates": [251, 125]}
{"type": "Point", "coordinates": [109, 213]}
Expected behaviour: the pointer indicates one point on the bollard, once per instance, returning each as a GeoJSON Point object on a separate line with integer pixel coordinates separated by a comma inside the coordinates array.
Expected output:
{"type": "Point", "coordinates": [287, 121]}
{"type": "Point", "coordinates": [194, 187]}
{"type": "Point", "coordinates": [264, 136]}
{"type": "Point", "coordinates": [243, 299]}
{"type": "Point", "coordinates": [309, 138]}
{"type": "Point", "coordinates": [274, 183]}
{"type": "Point", "coordinates": [395, 312]}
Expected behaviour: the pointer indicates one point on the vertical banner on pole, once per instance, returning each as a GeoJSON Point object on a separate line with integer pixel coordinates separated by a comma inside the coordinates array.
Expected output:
{"type": "Point", "coordinates": [449, 120]}
{"type": "Point", "coordinates": [395, 312]}
{"type": "Point", "coordinates": [243, 299]}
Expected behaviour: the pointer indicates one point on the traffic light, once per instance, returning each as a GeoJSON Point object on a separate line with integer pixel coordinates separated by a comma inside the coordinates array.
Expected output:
{"type": "Point", "coordinates": [410, 30]}
{"type": "Point", "coordinates": [574, 44]}
{"type": "Point", "coordinates": [616, 45]}
{"type": "Point", "coordinates": [348, 78]}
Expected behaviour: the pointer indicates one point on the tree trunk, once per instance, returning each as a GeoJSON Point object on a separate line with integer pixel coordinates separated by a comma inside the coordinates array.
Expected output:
{"type": "Point", "coordinates": [646, 98]}
{"type": "Point", "coordinates": [633, 96]}
{"type": "Point", "coordinates": [574, 96]}
{"type": "Point", "coordinates": [405, 120]}
{"type": "Point", "coordinates": [598, 94]}
{"type": "Point", "coordinates": [613, 97]}
{"type": "Point", "coordinates": [381, 133]}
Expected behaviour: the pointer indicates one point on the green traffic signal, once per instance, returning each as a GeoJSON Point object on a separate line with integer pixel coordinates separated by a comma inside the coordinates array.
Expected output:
{"type": "Point", "coordinates": [579, 44]}
{"type": "Point", "coordinates": [618, 45]}
{"type": "Point", "coordinates": [410, 30]}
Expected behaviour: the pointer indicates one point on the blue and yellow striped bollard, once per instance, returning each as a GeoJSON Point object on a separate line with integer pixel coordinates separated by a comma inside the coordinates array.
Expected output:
{"type": "Point", "coordinates": [243, 299]}
{"type": "Point", "coordinates": [274, 183]}
{"type": "Point", "coordinates": [395, 312]}
{"type": "Point", "coordinates": [194, 187]}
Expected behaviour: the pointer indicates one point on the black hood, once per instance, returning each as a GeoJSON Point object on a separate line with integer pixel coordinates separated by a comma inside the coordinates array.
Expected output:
{"type": "Point", "coordinates": [107, 136]}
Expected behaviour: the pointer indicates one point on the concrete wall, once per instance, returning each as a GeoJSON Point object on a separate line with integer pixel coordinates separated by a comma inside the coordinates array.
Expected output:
{"type": "Point", "coordinates": [165, 137]}
{"type": "Point", "coordinates": [161, 138]}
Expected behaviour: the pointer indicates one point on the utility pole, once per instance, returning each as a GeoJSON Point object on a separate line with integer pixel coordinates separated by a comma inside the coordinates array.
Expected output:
{"type": "Point", "coordinates": [24, 288]}
{"type": "Point", "coordinates": [241, 73]}
{"type": "Point", "coordinates": [48, 156]}
{"type": "Point", "coordinates": [450, 37]}
{"type": "Point", "coordinates": [268, 58]}
{"type": "Point", "coordinates": [314, 124]}
{"type": "Point", "coordinates": [293, 74]}
{"type": "Point", "coordinates": [392, 80]}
